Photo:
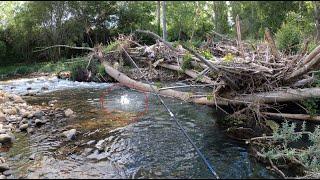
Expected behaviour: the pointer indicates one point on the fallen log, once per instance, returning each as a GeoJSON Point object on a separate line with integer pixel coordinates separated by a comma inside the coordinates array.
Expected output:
{"type": "Point", "coordinates": [155, 36]}
{"type": "Point", "coordinates": [66, 46]}
{"type": "Point", "coordinates": [303, 117]}
{"type": "Point", "coordinates": [304, 69]}
{"type": "Point", "coordinates": [191, 73]}
{"type": "Point", "coordinates": [215, 69]}
{"type": "Point", "coordinates": [125, 80]}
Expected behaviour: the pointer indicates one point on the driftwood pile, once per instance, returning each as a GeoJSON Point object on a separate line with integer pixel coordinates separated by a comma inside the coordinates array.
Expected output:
{"type": "Point", "coordinates": [252, 77]}
{"type": "Point", "coordinates": [244, 76]}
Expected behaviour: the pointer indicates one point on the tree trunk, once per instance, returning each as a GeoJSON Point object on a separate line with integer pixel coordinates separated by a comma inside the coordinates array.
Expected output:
{"type": "Point", "coordinates": [164, 21]}
{"type": "Point", "coordinates": [158, 18]}
{"type": "Point", "coordinates": [317, 18]}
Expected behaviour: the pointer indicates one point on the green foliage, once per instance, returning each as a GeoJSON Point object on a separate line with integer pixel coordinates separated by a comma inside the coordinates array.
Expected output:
{"type": "Point", "coordinates": [228, 58]}
{"type": "Point", "coordinates": [207, 54]}
{"type": "Point", "coordinates": [288, 38]}
{"type": "Point", "coordinates": [26, 25]}
{"type": "Point", "coordinates": [3, 49]}
{"type": "Point", "coordinates": [101, 70]}
{"type": "Point", "coordinates": [114, 45]}
{"type": "Point", "coordinates": [311, 106]}
{"type": "Point", "coordinates": [158, 84]}
{"type": "Point", "coordinates": [308, 154]}
{"type": "Point", "coordinates": [312, 46]}
{"type": "Point", "coordinates": [186, 62]}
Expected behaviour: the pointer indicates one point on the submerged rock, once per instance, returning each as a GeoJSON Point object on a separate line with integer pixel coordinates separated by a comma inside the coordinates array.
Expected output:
{"type": "Point", "coordinates": [99, 145]}
{"type": "Point", "coordinates": [23, 127]}
{"type": "Point", "coordinates": [4, 167]}
{"type": "Point", "coordinates": [68, 112]}
{"type": "Point", "coordinates": [30, 130]}
{"type": "Point", "coordinates": [7, 172]}
{"type": "Point", "coordinates": [91, 142]}
{"type": "Point", "coordinates": [6, 138]}
{"type": "Point", "coordinates": [38, 114]}
{"type": "Point", "coordinates": [71, 134]}
{"type": "Point", "coordinates": [32, 156]}
{"type": "Point", "coordinates": [39, 122]}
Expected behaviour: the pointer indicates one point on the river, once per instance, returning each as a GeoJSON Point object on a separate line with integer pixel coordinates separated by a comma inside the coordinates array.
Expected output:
{"type": "Point", "coordinates": [151, 146]}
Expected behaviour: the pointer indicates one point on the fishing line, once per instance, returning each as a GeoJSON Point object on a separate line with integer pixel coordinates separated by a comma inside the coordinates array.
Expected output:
{"type": "Point", "coordinates": [207, 163]}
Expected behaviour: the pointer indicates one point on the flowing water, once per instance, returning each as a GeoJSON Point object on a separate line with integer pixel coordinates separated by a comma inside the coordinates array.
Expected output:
{"type": "Point", "coordinates": [150, 146]}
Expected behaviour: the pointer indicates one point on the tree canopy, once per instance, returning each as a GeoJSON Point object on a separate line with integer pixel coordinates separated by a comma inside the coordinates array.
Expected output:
{"type": "Point", "coordinates": [24, 26]}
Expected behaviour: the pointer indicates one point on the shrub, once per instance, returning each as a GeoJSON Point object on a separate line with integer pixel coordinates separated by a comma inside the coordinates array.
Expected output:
{"type": "Point", "coordinates": [101, 70]}
{"type": "Point", "coordinates": [288, 38]}
{"type": "Point", "coordinates": [186, 62]}
{"type": "Point", "coordinates": [3, 49]}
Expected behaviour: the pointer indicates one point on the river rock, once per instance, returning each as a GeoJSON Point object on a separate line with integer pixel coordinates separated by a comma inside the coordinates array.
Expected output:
{"type": "Point", "coordinates": [32, 156]}
{"type": "Point", "coordinates": [11, 111]}
{"type": "Point", "coordinates": [38, 114]}
{"type": "Point", "coordinates": [68, 112]}
{"type": "Point", "coordinates": [7, 173]}
{"type": "Point", "coordinates": [99, 145]}
{"type": "Point", "coordinates": [52, 102]}
{"type": "Point", "coordinates": [17, 99]}
{"type": "Point", "coordinates": [91, 142]}
{"type": "Point", "coordinates": [6, 138]}
{"type": "Point", "coordinates": [23, 127]}
{"type": "Point", "coordinates": [45, 88]}
{"type": "Point", "coordinates": [30, 130]}
{"type": "Point", "coordinates": [2, 117]}
{"type": "Point", "coordinates": [87, 151]}
{"type": "Point", "coordinates": [4, 167]}
{"type": "Point", "coordinates": [71, 134]}
{"type": "Point", "coordinates": [39, 122]}
{"type": "Point", "coordinates": [2, 100]}
{"type": "Point", "coordinates": [24, 121]}
{"type": "Point", "coordinates": [3, 131]}
{"type": "Point", "coordinates": [2, 177]}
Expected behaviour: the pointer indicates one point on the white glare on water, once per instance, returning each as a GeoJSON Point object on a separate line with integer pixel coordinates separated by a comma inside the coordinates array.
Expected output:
{"type": "Point", "coordinates": [124, 99]}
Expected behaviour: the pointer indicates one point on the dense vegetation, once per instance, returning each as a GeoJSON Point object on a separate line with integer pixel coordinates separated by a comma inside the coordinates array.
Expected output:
{"type": "Point", "coordinates": [24, 26]}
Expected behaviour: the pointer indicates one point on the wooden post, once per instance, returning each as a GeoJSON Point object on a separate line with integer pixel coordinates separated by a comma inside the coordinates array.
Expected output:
{"type": "Point", "coordinates": [272, 45]}
{"type": "Point", "coordinates": [239, 44]}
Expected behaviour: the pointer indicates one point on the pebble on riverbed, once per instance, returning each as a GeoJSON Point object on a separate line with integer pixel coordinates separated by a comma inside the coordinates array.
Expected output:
{"type": "Point", "coordinates": [68, 113]}
{"type": "Point", "coordinates": [70, 134]}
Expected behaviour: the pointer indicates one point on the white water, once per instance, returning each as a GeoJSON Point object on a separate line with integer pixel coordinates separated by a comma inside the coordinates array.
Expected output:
{"type": "Point", "coordinates": [45, 84]}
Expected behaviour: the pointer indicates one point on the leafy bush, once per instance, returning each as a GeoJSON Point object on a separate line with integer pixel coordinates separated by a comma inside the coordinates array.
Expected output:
{"type": "Point", "coordinates": [307, 153]}
{"type": "Point", "coordinates": [186, 62]}
{"type": "Point", "coordinates": [3, 49]}
{"type": "Point", "coordinates": [111, 47]}
{"type": "Point", "coordinates": [311, 106]}
{"type": "Point", "coordinates": [207, 54]}
{"type": "Point", "coordinates": [101, 70]}
{"type": "Point", "coordinates": [288, 38]}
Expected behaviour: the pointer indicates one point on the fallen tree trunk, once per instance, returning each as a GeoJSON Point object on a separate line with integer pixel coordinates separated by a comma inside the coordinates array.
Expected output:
{"type": "Point", "coordinates": [125, 80]}
{"type": "Point", "coordinates": [191, 73]}
{"type": "Point", "coordinates": [155, 36]}
{"type": "Point", "coordinates": [293, 116]}
{"type": "Point", "coordinates": [215, 69]}
{"type": "Point", "coordinates": [305, 68]}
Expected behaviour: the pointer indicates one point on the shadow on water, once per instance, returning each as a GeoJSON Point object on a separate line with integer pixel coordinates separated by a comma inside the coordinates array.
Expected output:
{"type": "Point", "coordinates": [151, 147]}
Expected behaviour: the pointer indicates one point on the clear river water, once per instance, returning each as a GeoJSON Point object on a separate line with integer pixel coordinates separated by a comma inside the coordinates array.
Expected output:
{"type": "Point", "coordinates": [151, 146]}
